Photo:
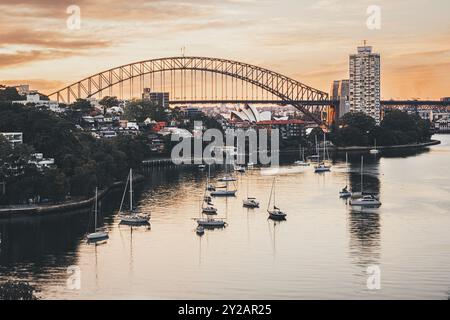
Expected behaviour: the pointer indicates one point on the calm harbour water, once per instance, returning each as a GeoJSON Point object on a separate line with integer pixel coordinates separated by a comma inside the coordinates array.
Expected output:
{"type": "Point", "coordinates": [322, 251]}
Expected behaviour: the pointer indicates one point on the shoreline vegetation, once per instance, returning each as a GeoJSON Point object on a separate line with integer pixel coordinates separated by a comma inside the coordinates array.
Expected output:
{"type": "Point", "coordinates": [68, 206]}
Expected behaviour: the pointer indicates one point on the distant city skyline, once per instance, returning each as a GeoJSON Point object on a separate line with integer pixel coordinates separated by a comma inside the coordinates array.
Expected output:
{"type": "Point", "coordinates": [307, 40]}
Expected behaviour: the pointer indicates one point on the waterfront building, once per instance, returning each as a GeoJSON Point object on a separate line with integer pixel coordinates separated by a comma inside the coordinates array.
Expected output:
{"type": "Point", "coordinates": [365, 82]}
{"type": "Point", "coordinates": [442, 124]}
{"type": "Point", "coordinates": [40, 162]}
{"type": "Point", "coordinates": [14, 138]}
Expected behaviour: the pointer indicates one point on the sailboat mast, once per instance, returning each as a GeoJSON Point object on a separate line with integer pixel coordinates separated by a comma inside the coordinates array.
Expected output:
{"type": "Point", "coordinates": [271, 193]}
{"type": "Point", "coordinates": [131, 190]}
{"type": "Point", "coordinates": [274, 194]}
{"type": "Point", "coordinates": [317, 150]}
{"type": "Point", "coordinates": [96, 208]}
{"type": "Point", "coordinates": [362, 174]}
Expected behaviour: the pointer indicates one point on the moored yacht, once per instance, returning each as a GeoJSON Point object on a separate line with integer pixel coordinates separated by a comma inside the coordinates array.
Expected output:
{"type": "Point", "coordinates": [365, 201]}
{"type": "Point", "coordinates": [132, 217]}
{"type": "Point", "coordinates": [375, 149]}
{"type": "Point", "coordinates": [302, 162]}
{"type": "Point", "coordinates": [321, 166]}
{"type": "Point", "coordinates": [250, 203]}
{"type": "Point", "coordinates": [345, 193]}
{"type": "Point", "coordinates": [275, 213]}
{"type": "Point", "coordinates": [98, 234]}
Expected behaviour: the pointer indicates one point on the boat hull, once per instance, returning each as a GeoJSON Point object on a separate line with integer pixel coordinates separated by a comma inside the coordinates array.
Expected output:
{"type": "Point", "coordinates": [211, 223]}
{"type": "Point", "coordinates": [134, 221]}
{"type": "Point", "coordinates": [210, 212]}
{"type": "Point", "coordinates": [345, 194]}
{"type": "Point", "coordinates": [250, 204]}
{"type": "Point", "coordinates": [322, 169]}
{"type": "Point", "coordinates": [97, 236]}
{"type": "Point", "coordinates": [223, 193]}
{"type": "Point", "coordinates": [277, 216]}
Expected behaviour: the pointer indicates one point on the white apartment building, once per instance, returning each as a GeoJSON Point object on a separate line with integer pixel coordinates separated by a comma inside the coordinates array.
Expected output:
{"type": "Point", "coordinates": [365, 83]}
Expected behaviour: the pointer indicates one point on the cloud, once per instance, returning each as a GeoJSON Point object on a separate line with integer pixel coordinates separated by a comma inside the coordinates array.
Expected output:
{"type": "Point", "coordinates": [50, 39]}
{"type": "Point", "coordinates": [26, 57]}
{"type": "Point", "coordinates": [43, 85]}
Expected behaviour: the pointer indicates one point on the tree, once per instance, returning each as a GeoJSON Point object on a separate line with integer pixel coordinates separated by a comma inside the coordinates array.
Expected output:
{"type": "Point", "coordinates": [108, 102]}
{"type": "Point", "coordinates": [82, 105]}
{"type": "Point", "coordinates": [139, 110]}
{"type": "Point", "coordinates": [358, 120]}
{"type": "Point", "coordinates": [10, 94]}
{"type": "Point", "coordinates": [54, 185]}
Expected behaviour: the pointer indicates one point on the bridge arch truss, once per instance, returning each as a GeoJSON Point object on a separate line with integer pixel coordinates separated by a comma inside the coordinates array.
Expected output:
{"type": "Point", "coordinates": [198, 79]}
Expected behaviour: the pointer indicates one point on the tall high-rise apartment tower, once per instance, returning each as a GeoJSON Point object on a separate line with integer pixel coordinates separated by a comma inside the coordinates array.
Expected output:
{"type": "Point", "coordinates": [365, 83]}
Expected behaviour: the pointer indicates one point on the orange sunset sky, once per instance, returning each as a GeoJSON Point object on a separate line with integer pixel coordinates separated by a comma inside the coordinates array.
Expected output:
{"type": "Point", "coordinates": [307, 40]}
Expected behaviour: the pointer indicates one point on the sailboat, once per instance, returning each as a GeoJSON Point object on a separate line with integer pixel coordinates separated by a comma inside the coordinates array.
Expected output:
{"type": "Point", "coordinates": [209, 186]}
{"type": "Point", "coordinates": [365, 201]}
{"type": "Point", "coordinates": [208, 222]}
{"type": "Point", "coordinates": [250, 202]}
{"type": "Point", "coordinates": [132, 218]}
{"type": "Point", "coordinates": [98, 235]}
{"type": "Point", "coordinates": [209, 209]}
{"type": "Point", "coordinates": [227, 177]}
{"type": "Point", "coordinates": [225, 192]}
{"type": "Point", "coordinates": [240, 169]}
{"type": "Point", "coordinates": [302, 162]}
{"type": "Point", "coordinates": [375, 149]}
{"type": "Point", "coordinates": [200, 229]}
{"type": "Point", "coordinates": [345, 193]}
{"type": "Point", "coordinates": [321, 167]}
{"type": "Point", "coordinates": [275, 213]}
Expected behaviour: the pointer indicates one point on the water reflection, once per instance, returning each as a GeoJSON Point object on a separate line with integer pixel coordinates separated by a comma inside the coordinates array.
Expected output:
{"type": "Point", "coordinates": [323, 241]}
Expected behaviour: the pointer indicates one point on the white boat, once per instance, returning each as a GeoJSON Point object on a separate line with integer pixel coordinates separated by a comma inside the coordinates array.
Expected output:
{"type": "Point", "coordinates": [209, 210]}
{"type": "Point", "coordinates": [132, 217]}
{"type": "Point", "coordinates": [209, 186]}
{"type": "Point", "coordinates": [302, 162]}
{"type": "Point", "coordinates": [201, 167]}
{"type": "Point", "coordinates": [275, 213]}
{"type": "Point", "coordinates": [226, 179]}
{"type": "Point", "coordinates": [250, 202]}
{"type": "Point", "coordinates": [208, 222]}
{"type": "Point", "coordinates": [345, 193]}
{"type": "Point", "coordinates": [211, 223]}
{"type": "Point", "coordinates": [200, 230]}
{"type": "Point", "coordinates": [225, 192]}
{"type": "Point", "coordinates": [321, 166]}
{"type": "Point", "coordinates": [365, 201]}
{"type": "Point", "coordinates": [98, 235]}
{"type": "Point", "coordinates": [375, 149]}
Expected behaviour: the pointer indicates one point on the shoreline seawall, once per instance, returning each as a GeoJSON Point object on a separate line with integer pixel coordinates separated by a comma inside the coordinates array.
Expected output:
{"type": "Point", "coordinates": [40, 210]}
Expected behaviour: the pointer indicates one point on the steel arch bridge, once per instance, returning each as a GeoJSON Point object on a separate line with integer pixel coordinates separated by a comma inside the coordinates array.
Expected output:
{"type": "Point", "coordinates": [198, 79]}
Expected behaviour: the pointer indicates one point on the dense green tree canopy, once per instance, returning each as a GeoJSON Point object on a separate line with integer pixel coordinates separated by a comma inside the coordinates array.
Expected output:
{"type": "Point", "coordinates": [139, 110]}
{"type": "Point", "coordinates": [397, 128]}
{"type": "Point", "coordinates": [83, 162]}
